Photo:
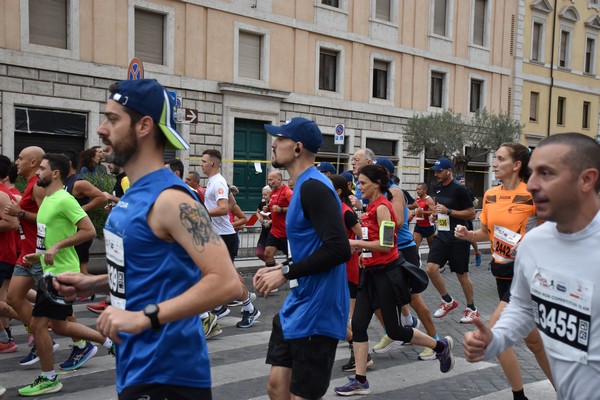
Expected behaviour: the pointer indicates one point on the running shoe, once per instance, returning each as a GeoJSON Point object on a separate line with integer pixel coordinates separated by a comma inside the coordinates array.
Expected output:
{"type": "Point", "coordinates": [79, 356]}
{"type": "Point", "coordinates": [33, 356]}
{"type": "Point", "coordinates": [235, 303]}
{"type": "Point", "coordinates": [351, 364]}
{"type": "Point", "coordinates": [221, 312]}
{"type": "Point", "coordinates": [8, 347]}
{"type": "Point", "coordinates": [211, 326]}
{"type": "Point", "coordinates": [98, 308]}
{"type": "Point", "coordinates": [41, 385]}
{"type": "Point", "coordinates": [427, 354]}
{"type": "Point", "coordinates": [386, 344]}
{"type": "Point", "coordinates": [112, 351]}
{"type": "Point", "coordinates": [445, 308]}
{"type": "Point", "coordinates": [353, 388]}
{"type": "Point", "coordinates": [477, 259]}
{"type": "Point", "coordinates": [248, 318]}
{"type": "Point", "coordinates": [469, 315]}
{"type": "Point", "coordinates": [2, 390]}
{"type": "Point", "coordinates": [446, 356]}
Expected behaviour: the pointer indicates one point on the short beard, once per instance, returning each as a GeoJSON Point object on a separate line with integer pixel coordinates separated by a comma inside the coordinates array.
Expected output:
{"type": "Point", "coordinates": [43, 183]}
{"type": "Point", "coordinates": [126, 149]}
{"type": "Point", "coordinates": [275, 164]}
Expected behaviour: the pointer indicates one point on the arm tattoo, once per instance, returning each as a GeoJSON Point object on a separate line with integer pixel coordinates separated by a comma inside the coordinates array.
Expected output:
{"type": "Point", "coordinates": [196, 221]}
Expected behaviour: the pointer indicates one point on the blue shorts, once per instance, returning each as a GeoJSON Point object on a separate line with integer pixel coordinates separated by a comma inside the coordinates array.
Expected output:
{"type": "Point", "coordinates": [35, 271]}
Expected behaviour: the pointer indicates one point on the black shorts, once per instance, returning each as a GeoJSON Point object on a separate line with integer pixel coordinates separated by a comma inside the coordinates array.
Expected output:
{"type": "Point", "coordinates": [45, 308]}
{"type": "Point", "coordinates": [411, 254]}
{"type": "Point", "coordinates": [279, 243]}
{"type": "Point", "coordinates": [6, 271]}
{"type": "Point", "coordinates": [157, 391]}
{"type": "Point", "coordinates": [503, 286]}
{"type": "Point", "coordinates": [83, 251]}
{"type": "Point", "coordinates": [425, 231]}
{"type": "Point", "coordinates": [310, 359]}
{"type": "Point", "coordinates": [232, 241]}
{"type": "Point", "coordinates": [455, 253]}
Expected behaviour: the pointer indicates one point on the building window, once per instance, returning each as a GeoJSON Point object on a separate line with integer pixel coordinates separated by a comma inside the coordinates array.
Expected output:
{"type": "Point", "coordinates": [328, 70]}
{"type": "Point", "coordinates": [585, 121]}
{"type": "Point", "coordinates": [560, 111]}
{"type": "Point", "coordinates": [479, 22]}
{"type": "Point", "coordinates": [55, 131]}
{"type": "Point", "coordinates": [149, 36]}
{"type": "Point", "coordinates": [537, 40]}
{"type": "Point", "coordinates": [383, 10]}
{"type": "Point", "coordinates": [249, 62]}
{"type": "Point", "coordinates": [533, 106]}
{"type": "Point", "coordinates": [475, 103]}
{"type": "Point", "coordinates": [563, 56]}
{"type": "Point", "coordinates": [380, 79]}
{"type": "Point", "coordinates": [382, 147]}
{"type": "Point", "coordinates": [590, 55]}
{"type": "Point", "coordinates": [439, 17]}
{"type": "Point", "coordinates": [331, 3]}
{"type": "Point", "coordinates": [437, 89]}
{"type": "Point", "coordinates": [48, 23]}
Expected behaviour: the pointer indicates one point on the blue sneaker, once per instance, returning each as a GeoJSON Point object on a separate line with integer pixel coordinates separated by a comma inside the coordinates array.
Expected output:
{"type": "Point", "coordinates": [477, 259]}
{"type": "Point", "coordinates": [446, 356]}
{"type": "Point", "coordinates": [79, 357]}
{"type": "Point", "coordinates": [353, 387]}
{"type": "Point", "coordinates": [33, 356]}
{"type": "Point", "coordinates": [248, 318]}
{"type": "Point", "coordinates": [221, 312]}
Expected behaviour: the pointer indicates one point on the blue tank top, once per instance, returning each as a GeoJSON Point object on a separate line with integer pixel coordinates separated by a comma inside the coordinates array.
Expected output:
{"type": "Point", "coordinates": [300, 316]}
{"type": "Point", "coordinates": [142, 270]}
{"type": "Point", "coordinates": [405, 237]}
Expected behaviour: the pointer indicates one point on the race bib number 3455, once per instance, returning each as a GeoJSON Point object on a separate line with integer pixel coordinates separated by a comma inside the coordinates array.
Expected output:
{"type": "Point", "coordinates": [562, 311]}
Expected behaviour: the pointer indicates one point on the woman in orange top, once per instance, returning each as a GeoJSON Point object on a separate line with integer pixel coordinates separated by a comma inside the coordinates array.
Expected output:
{"type": "Point", "coordinates": [507, 211]}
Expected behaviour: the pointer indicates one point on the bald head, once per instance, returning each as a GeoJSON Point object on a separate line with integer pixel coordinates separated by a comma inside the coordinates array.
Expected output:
{"type": "Point", "coordinates": [29, 160]}
{"type": "Point", "coordinates": [274, 179]}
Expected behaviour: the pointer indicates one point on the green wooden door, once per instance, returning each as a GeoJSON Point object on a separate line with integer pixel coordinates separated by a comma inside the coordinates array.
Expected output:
{"type": "Point", "coordinates": [250, 143]}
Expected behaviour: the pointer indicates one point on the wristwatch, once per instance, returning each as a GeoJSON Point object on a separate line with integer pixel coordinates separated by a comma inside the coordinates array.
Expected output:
{"type": "Point", "coordinates": [21, 214]}
{"type": "Point", "coordinates": [285, 269]}
{"type": "Point", "coordinates": [151, 311]}
{"type": "Point", "coordinates": [449, 211]}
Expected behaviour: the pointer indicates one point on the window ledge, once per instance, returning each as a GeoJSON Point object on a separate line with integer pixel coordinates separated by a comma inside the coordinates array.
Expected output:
{"type": "Point", "coordinates": [439, 37]}
{"type": "Point", "coordinates": [331, 8]}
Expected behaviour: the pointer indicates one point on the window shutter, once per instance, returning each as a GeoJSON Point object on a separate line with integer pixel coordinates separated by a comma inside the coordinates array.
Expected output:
{"type": "Point", "coordinates": [149, 36]}
{"type": "Point", "coordinates": [48, 23]}
{"type": "Point", "coordinates": [439, 18]}
{"type": "Point", "coordinates": [382, 10]}
{"type": "Point", "coordinates": [249, 55]}
{"type": "Point", "coordinates": [533, 106]}
{"type": "Point", "coordinates": [535, 45]}
{"type": "Point", "coordinates": [478, 23]}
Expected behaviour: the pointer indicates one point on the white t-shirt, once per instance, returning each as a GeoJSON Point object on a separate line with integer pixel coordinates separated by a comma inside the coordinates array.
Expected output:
{"type": "Point", "coordinates": [217, 189]}
{"type": "Point", "coordinates": [555, 281]}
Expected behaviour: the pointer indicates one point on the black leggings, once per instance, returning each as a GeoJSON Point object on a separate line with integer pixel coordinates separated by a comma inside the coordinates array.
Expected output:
{"type": "Point", "coordinates": [363, 310]}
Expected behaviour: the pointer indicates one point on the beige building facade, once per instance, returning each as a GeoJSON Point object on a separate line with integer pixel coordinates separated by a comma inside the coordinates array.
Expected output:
{"type": "Point", "coordinates": [557, 69]}
{"type": "Point", "coordinates": [367, 65]}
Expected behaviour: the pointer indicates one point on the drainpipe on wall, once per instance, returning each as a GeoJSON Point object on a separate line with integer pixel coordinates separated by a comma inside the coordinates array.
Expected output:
{"type": "Point", "coordinates": [552, 66]}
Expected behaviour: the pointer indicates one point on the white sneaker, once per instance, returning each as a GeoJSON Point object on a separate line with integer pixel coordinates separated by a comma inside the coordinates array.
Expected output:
{"type": "Point", "coordinates": [469, 315]}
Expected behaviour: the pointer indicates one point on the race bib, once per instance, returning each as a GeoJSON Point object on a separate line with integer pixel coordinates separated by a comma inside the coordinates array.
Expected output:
{"type": "Point", "coordinates": [443, 221]}
{"type": "Point", "coordinates": [115, 257]}
{"type": "Point", "coordinates": [504, 244]}
{"type": "Point", "coordinates": [365, 236]}
{"type": "Point", "coordinates": [562, 307]}
{"type": "Point", "coordinates": [40, 246]}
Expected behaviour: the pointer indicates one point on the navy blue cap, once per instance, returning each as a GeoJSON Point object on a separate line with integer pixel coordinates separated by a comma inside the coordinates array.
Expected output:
{"type": "Point", "coordinates": [326, 167]}
{"type": "Point", "coordinates": [299, 130]}
{"type": "Point", "coordinates": [348, 175]}
{"type": "Point", "coordinates": [148, 97]}
{"type": "Point", "coordinates": [441, 164]}
{"type": "Point", "coordinates": [385, 163]}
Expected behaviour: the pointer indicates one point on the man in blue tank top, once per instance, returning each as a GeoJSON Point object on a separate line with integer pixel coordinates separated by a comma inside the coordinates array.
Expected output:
{"type": "Point", "coordinates": [304, 339]}
{"type": "Point", "coordinates": [159, 243]}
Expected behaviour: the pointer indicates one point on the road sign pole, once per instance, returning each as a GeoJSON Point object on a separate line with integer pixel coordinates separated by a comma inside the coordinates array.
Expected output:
{"type": "Point", "coordinates": [337, 164]}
